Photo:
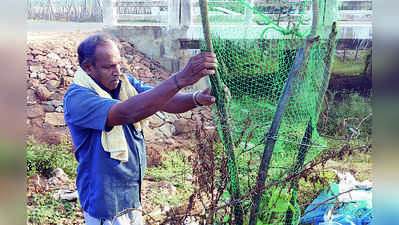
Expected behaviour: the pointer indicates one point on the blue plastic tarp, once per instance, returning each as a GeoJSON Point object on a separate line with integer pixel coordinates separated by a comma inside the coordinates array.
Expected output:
{"type": "Point", "coordinates": [332, 208]}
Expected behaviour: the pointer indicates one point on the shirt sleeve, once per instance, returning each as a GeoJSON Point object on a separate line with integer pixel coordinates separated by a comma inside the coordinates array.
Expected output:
{"type": "Point", "coordinates": [138, 84]}
{"type": "Point", "coordinates": [86, 109]}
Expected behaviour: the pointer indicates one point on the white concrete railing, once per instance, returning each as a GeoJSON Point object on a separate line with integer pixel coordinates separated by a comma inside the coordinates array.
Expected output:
{"type": "Point", "coordinates": [173, 13]}
{"type": "Point", "coordinates": [142, 11]}
{"type": "Point", "coordinates": [177, 13]}
{"type": "Point", "coordinates": [176, 20]}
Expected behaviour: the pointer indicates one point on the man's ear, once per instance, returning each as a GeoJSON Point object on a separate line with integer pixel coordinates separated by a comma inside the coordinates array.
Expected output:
{"type": "Point", "coordinates": [87, 67]}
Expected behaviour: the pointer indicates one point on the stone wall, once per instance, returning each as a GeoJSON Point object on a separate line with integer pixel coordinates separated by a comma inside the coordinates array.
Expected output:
{"type": "Point", "coordinates": [50, 69]}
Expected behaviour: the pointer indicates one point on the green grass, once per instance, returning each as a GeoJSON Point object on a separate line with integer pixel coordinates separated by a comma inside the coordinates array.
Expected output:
{"type": "Point", "coordinates": [347, 67]}
{"type": "Point", "coordinates": [45, 209]}
{"type": "Point", "coordinates": [310, 190]}
{"type": "Point", "coordinates": [175, 169]}
{"type": "Point", "coordinates": [350, 66]}
{"type": "Point", "coordinates": [354, 107]}
{"type": "Point", "coordinates": [42, 207]}
{"type": "Point", "coordinates": [43, 159]}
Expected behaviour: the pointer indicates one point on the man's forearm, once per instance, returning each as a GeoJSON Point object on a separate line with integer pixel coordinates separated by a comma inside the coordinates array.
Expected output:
{"type": "Point", "coordinates": [141, 106]}
{"type": "Point", "coordinates": [180, 103]}
{"type": "Point", "coordinates": [145, 104]}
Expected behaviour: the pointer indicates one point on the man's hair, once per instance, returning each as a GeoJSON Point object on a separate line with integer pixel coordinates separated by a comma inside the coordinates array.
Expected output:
{"type": "Point", "coordinates": [87, 48]}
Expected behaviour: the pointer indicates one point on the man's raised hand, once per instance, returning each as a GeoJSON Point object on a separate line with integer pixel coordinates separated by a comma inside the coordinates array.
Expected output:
{"type": "Point", "coordinates": [199, 66]}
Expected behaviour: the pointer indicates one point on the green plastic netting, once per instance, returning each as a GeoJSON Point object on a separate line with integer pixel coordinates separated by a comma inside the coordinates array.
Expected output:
{"type": "Point", "coordinates": [270, 72]}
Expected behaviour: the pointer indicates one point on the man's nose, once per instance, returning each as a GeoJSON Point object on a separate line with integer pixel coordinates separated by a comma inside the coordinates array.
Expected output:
{"type": "Point", "coordinates": [116, 71]}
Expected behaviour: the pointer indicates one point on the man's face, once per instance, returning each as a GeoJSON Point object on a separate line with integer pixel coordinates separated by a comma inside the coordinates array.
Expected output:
{"type": "Point", "coordinates": [106, 69]}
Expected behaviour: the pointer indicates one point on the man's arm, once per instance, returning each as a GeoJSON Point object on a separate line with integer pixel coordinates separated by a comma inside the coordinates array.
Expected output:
{"type": "Point", "coordinates": [145, 104]}
{"type": "Point", "coordinates": [184, 102]}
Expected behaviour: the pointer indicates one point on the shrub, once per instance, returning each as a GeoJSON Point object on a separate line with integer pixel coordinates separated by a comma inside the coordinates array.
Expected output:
{"type": "Point", "coordinates": [43, 159]}
{"type": "Point", "coordinates": [175, 169]}
{"type": "Point", "coordinates": [45, 209]}
{"type": "Point", "coordinates": [344, 116]}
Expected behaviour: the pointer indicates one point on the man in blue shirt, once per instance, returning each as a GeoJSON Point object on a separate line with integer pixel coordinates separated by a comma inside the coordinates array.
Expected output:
{"type": "Point", "coordinates": [104, 111]}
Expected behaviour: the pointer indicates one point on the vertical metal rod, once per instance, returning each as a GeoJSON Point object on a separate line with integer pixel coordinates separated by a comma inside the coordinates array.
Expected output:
{"type": "Point", "coordinates": [218, 91]}
{"type": "Point", "coordinates": [306, 140]}
{"type": "Point", "coordinates": [299, 63]}
{"type": "Point", "coordinates": [271, 137]}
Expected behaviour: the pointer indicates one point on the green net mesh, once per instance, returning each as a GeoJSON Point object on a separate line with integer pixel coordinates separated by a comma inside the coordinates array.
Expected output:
{"type": "Point", "coordinates": [258, 43]}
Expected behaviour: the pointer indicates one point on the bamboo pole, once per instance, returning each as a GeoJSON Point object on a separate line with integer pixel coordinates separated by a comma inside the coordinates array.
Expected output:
{"type": "Point", "coordinates": [219, 93]}
{"type": "Point", "coordinates": [299, 64]}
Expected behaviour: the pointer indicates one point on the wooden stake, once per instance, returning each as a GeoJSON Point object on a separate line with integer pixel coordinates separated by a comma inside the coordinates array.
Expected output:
{"type": "Point", "coordinates": [218, 91]}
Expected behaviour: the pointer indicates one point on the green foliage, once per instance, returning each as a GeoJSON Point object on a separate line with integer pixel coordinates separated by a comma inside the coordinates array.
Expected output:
{"type": "Point", "coordinates": [234, 6]}
{"type": "Point", "coordinates": [273, 206]}
{"type": "Point", "coordinates": [175, 169]}
{"type": "Point", "coordinates": [275, 201]}
{"type": "Point", "coordinates": [309, 190]}
{"type": "Point", "coordinates": [45, 209]}
{"type": "Point", "coordinates": [254, 65]}
{"type": "Point", "coordinates": [344, 116]}
{"type": "Point", "coordinates": [43, 159]}
{"type": "Point", "coordinates": [349, 65]}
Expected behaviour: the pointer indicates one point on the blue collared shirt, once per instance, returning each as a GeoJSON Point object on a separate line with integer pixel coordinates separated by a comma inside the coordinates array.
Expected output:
{"type": "Point", "coordinates": [106, 186]}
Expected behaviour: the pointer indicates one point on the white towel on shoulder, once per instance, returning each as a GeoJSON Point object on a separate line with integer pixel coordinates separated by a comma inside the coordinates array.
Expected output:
{"type": "Point", "coordinates": [113, 141]}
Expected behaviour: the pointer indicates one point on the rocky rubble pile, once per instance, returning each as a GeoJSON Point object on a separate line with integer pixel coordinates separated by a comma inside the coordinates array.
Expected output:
{"type": "Point", "coordinates": [50, 69]}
